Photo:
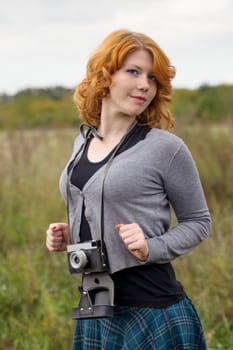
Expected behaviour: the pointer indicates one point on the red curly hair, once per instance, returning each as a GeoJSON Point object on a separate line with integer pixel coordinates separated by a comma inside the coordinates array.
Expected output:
{"type": "Point", "coordinates": [106, 60]}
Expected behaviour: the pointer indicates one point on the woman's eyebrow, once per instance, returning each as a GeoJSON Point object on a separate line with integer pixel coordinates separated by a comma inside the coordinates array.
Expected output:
{"type": "Point", "coordinates": [134, 65]}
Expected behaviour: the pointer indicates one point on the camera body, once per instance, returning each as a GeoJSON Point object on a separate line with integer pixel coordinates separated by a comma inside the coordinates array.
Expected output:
{"type": "Point", "coordinates": [87, 257]}
{"type": "Point", "coordinates": [97, 290]}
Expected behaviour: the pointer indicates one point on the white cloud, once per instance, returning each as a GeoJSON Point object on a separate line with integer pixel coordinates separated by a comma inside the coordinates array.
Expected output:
{"type": "Point", "coordinates": [46, 42]}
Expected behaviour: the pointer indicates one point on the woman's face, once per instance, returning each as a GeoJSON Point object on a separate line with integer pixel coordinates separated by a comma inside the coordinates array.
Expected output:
{"type": "Point", "coordinates": [133, 85]}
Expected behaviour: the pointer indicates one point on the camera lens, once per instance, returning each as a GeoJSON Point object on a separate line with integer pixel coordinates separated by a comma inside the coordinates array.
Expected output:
{"type": "Point", "coordinates": [78, 259]}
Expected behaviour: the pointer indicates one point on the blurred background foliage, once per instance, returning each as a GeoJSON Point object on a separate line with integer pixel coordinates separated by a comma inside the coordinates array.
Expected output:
{"type": "Point", "coordinates": [53, 107]}
{"type": "Point", "coordinates": [37, 292]}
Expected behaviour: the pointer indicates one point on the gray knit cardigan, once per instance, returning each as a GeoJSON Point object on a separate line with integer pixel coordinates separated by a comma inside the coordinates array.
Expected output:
{"type": "Point", "coordinates": [141, 185]}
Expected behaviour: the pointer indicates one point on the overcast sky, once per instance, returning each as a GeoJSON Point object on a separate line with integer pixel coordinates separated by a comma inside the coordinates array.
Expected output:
{"type": "Point", "coordinates": [47, 42]}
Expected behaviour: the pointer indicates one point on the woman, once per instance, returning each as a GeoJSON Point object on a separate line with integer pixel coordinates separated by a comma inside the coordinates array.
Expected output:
{"type": "Point", "coordinates": [146, 169]}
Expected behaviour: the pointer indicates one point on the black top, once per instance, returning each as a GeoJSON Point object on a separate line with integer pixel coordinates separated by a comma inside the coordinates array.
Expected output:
{"type": "Point", "coordinates": [152, 285]}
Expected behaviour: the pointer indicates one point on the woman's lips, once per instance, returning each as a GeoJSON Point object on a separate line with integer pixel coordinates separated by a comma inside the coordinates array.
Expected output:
{"type": "Point", "coordinates": [139, 99]}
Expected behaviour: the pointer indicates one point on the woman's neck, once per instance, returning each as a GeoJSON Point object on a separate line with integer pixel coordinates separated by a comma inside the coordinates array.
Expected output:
{"type": "Point", "coordinates": [115, 127]}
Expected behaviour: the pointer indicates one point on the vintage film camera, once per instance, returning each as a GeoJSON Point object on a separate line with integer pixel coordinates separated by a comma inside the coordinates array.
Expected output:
{"type": "Point", "coordinates": [97, 290]}
{"type": "Point", "coordinates": [87, 257]}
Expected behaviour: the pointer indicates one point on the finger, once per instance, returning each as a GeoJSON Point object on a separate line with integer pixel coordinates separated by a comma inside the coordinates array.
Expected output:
{"type": "Point", "coordinates": [58, 226]}
{"type": "Point", "coordinates": [54, 241]}
{"type": "Point", "coordinates": [53, 245]}
{"type": "Point", "coordinates": [118, 226]}
{"type": "Point", "coordinates": [49, 244]}
{"type": "Point", "coordinates": [125, 227]}
{"type": "Point", "coordinates": [136, 245]}
{"type": "Point", "coordinates": [53, 226]}
{"type": "Point", "coordinates": [54, 238]}
{"type": "Point", "coordinates": [132, 236]}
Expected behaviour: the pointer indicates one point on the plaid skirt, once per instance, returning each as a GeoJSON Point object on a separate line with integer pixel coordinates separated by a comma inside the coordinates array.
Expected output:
{"type": "Point", "coordinates": [175, 327]}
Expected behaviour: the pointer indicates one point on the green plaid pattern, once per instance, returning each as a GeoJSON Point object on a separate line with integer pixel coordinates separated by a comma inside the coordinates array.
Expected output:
{"type": "Point", "coordinates": [176, 327]}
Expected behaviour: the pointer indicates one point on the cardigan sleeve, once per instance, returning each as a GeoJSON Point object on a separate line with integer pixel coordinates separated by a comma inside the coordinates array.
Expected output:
{"type": "Point", "coordinates": [186, 196]}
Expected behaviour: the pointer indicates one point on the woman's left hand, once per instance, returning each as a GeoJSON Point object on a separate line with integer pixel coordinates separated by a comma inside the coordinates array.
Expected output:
{"type": "Point", "coordinates": [134, 239]}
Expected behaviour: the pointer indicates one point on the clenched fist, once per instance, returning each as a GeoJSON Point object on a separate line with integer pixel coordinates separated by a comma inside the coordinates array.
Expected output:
{"type": "Point", "coordinates": [57, 236]}
{"type": "Point", "coordinates": [134, 239]}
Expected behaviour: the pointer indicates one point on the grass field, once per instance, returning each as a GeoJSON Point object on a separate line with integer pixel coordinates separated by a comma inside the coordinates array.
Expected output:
{"type": "Point", "coordinates": [37, 292]}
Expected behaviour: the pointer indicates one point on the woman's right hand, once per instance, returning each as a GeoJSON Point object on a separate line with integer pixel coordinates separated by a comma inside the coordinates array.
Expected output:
{"type": "Point", "coordinates": [57, 236]}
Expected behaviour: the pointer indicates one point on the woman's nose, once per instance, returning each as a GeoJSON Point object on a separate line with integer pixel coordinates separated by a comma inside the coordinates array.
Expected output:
{"type": "Point", "coordinates": [143, 83]}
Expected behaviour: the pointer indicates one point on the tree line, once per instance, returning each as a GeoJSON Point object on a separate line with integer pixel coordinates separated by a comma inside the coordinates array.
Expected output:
{"type": "Point", "coordinates": [54, 106]}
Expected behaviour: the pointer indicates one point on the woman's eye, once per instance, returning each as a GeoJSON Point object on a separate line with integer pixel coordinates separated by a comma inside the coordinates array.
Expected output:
{"type": "Point", "coordinates": [132, 71]}
{"type": "Point", "coordinates": [152, 77]}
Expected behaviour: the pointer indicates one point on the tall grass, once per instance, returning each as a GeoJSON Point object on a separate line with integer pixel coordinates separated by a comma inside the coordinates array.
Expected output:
{"type": "Point", "coordinates": [37, 292]}
{"type": "Point", "coordinates": [207, 272]}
